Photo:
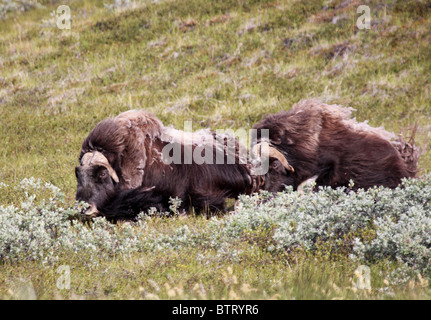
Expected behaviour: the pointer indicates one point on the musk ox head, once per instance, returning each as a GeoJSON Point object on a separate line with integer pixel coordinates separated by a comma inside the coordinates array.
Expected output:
{"type": "Point", "coordinates": [96, 181]}
{"type": "Point", "coordinates": [280, 172]}
{"type": "Point", "coordinates": [292, 143]}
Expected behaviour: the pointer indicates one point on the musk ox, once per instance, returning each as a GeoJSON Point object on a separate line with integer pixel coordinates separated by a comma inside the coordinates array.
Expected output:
{"type": "Point", "coordinates": [317, 141]}
{"type": "Point", "coordinates": [130, 163]}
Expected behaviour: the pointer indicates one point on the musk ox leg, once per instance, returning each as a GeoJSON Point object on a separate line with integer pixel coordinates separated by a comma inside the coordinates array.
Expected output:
{"type": "Point", "coordinates": [208, 204]}
{"type": "Point", "coordinates": [327, 166]}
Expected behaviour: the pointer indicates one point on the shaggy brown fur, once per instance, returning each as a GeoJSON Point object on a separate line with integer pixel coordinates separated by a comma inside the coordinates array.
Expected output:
{"type": "Point", "coordinates": [133, 143]}
{"type": "Point", "coordinates": [324, 141]}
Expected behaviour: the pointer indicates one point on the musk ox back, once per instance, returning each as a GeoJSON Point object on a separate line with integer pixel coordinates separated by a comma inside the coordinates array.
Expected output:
{"type": "Point", "coordinates": [320, 141]}
{"type": "Point", "coordinates": [123, 168]}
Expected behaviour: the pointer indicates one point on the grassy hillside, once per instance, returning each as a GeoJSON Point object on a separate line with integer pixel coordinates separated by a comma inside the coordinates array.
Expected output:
{"type": "Point", "coordinates": [221, 64]}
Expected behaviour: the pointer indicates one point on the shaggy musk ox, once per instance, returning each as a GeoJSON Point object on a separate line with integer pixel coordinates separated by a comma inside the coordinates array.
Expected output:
{"type": "Point", "coordinates": [317, 141]}
{"type": "Point", "coordinates": [123, 169]}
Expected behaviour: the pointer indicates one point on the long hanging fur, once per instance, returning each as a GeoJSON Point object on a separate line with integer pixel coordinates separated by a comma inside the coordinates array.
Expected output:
{"type": "Point", "coordinates": [324, 140]}
{"type": "Point", "coordinates": [133, 143]}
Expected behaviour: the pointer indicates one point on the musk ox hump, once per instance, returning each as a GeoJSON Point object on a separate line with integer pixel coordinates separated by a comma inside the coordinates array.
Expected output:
{"type": "Point", "coordinates": [139, 129]}
{"type": "Point", "coordinates": [141, 120]}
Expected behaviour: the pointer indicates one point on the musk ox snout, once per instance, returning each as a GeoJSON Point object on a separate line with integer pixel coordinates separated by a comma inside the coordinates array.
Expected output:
{"type": "Point", "coordinates": [92, 211]}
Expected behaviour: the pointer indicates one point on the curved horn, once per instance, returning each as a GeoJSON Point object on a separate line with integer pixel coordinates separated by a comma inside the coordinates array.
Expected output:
{"type": "Point", "coordinates": [92, 211]}
{"type": "Point", "coordinates": [269, 151]}
{"type": "Point", "coordinates": [97, 158]}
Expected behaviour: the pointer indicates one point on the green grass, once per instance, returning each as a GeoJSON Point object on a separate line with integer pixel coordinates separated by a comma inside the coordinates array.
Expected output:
{"type": "Point", "coordinates": [221, 64]}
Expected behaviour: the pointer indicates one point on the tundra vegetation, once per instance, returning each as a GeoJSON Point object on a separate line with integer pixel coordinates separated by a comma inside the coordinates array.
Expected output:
{"type": "Point", "coordinates": [220, 64]}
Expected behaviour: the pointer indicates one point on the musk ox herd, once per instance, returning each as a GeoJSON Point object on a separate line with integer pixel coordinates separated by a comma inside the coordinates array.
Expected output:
{"type": "Point", "coordinates": [131, 163]}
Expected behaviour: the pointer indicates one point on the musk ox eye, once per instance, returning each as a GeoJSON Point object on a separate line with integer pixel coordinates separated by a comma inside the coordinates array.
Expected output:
{"type": "Point", "coordinates": [276, 140]}
{"type": "Point", "coordinates": [289, 141]}
{"type": "Point", "coordinates": [103, 174]}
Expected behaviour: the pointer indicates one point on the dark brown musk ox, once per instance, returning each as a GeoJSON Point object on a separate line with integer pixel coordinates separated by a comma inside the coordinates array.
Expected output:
{"type": "Point", "coordinates": [132, 162]}
{"type": "Point", "coordinates": [316, 141]}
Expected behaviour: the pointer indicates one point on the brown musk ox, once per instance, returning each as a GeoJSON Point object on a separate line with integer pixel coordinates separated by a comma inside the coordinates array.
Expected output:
{"type": "Point", "coordinates": [132, 162]}
{"type": "Point", "coordinates": [324, 143]}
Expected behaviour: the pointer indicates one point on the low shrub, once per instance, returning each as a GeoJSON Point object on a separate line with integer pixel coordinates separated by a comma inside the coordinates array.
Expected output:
{"type": "Point", "coordinates": [367, 226]}
{"type": "Point", "coordinates": [374, 225]}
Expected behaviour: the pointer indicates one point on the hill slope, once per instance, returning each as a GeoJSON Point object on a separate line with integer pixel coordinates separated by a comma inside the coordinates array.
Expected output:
{"type": "Point", "coordinates": [223, 65]}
